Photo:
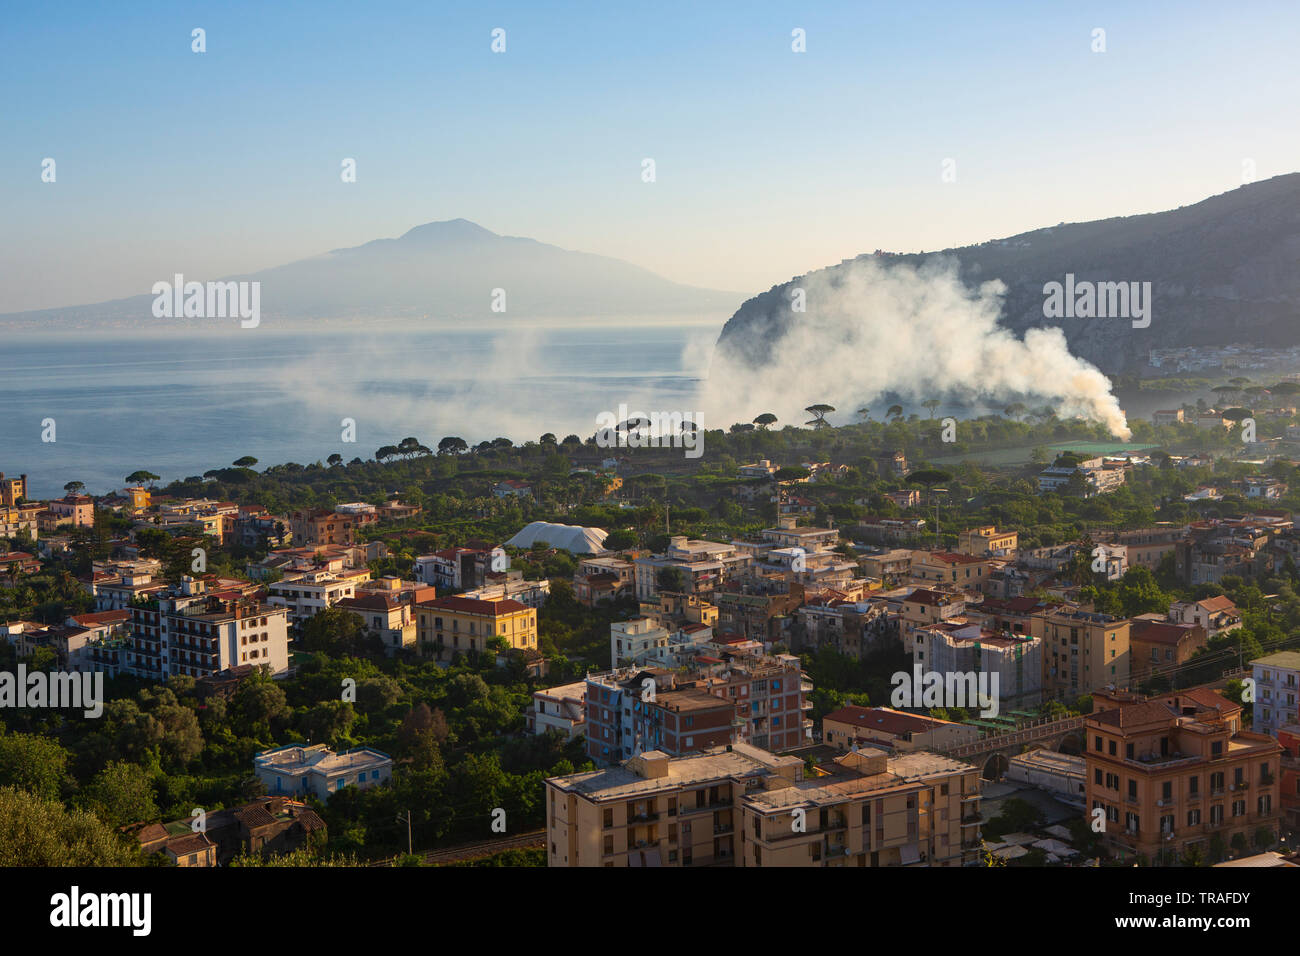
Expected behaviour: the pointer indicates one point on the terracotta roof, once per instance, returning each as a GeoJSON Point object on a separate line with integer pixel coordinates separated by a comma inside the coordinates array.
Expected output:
{"type": "Point", "coordinates": [191, 843]}
{"type": "Point", "coordinates": [894, 722]}
{"type": "Point", "coordinates": [371, 602]}
{"type": "Point", "coordinates": [254, 816]}
{"type": "Point", "coordinates": [927, 596]}
{"type": "Point", "coordinates": [475, 606]}
{"type": "Point", "coordinates": [1160, 632]}
{"type": "Point", "coordinates": [1220, 603]}
{"type": "Point", "coordinates": [102, 617]}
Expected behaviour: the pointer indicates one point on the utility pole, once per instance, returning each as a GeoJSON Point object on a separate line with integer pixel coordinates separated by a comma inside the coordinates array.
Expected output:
{"type": "Point", "coordinates": [409, 849]}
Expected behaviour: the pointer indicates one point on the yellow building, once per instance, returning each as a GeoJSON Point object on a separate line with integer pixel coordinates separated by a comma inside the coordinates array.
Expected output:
{"type": "Point", "coordinates": [1082, 651]}
{"type": "Point", "coordinates": [450, 625]}
{"type": "Point", "coordinates": [988, 540]}
{"type": "Point", "coordinates": [140, 498]}
{"type": "Point", "coordinates": [12, 490]}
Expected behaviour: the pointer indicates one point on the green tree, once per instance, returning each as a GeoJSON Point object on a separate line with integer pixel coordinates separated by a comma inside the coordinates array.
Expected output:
{"type": "Point", "coordinates": [122, 793]}
{"type": "Point", "coordinates": [33, 763]}
{"type": "Point", "coordinates": [35, 831]}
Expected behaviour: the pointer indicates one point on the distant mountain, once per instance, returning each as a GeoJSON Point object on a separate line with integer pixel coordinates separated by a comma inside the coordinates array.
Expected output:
{"type": "Point", "coordinates": [437, 270]}
{"type": "Point", "coordinates": [1225, 270]}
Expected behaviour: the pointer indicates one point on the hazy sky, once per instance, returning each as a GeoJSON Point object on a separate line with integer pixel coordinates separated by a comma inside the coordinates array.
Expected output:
{"type": "Point", "coordinates": [769, 162]}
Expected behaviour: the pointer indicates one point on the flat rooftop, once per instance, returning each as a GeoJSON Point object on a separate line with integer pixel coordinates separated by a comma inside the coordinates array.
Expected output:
{"type": "Point", "coordinates": [619, 783]}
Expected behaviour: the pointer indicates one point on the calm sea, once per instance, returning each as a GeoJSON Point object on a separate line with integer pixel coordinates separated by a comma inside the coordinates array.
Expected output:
{"type": "Point", "coordinates": [179, 405]}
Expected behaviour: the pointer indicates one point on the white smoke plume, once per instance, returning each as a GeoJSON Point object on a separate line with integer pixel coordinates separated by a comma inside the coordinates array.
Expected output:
{"type": "Point", "coordinates": [871, 328]}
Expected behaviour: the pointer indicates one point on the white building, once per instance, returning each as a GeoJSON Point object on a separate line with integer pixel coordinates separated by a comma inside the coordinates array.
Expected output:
{"type": "Point", "coordinates": [635, 641]}
{"type": "Point", "coordinates": [296, 770]}
{"type": "Point", "coordinates": [561, 709]}
{"type": "Point", "coordinates": [307, 595]}
{"type": "Point", "coordinates": [1277, 691]}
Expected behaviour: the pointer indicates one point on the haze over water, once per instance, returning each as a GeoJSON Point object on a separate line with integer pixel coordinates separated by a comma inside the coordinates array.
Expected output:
{"type": "Point", "coordinates": [179, 405]}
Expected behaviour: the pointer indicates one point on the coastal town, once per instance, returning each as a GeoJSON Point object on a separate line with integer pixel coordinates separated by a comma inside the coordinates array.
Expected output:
{"type": "Point", "coordinates": [819, 646]}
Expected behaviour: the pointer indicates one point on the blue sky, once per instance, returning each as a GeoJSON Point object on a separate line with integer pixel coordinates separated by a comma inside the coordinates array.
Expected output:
{"type": "Point", "coordinates": [769, 163]}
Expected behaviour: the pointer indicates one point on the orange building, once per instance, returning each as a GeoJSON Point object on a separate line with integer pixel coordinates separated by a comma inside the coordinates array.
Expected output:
{"type": "Point", "coordinates": [1174, 772]}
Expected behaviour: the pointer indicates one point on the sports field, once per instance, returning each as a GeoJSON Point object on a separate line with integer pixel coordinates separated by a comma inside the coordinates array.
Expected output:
{"type": "Point", "coordinates": [1000, 457]}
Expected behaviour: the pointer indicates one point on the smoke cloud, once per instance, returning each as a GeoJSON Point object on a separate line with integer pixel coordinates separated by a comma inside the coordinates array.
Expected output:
{"type": "Point", "coordinates": [871, 328]}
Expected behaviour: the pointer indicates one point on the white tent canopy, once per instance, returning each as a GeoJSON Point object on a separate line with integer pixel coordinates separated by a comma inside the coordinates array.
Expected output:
{"type": "Point", "coordinates": [572, 538]}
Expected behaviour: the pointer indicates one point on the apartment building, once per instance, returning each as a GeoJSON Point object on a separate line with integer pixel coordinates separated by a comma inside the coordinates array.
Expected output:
{"type": "Point", "coordinates": [1145, 547]}
{"type": "Point", "coordinates": [453, 569]}
{"type": "Point", "coordinates": [294, 770]}
{"type": "Point", "coordinates": [764, 700]}
{"type": "Point", "coordinates": [854, 628]}
{"type": "Point", "coordinates": [889, 567]}
{"type": "Point", "coordinates": [1214, 615]}
{"type": "Point", "coordinates": [986, 540]}
{"type": "Point", "coordinates": [1157, 647]}
{"type": "Point", "coordinates": [1176, 771]}
{"type": "Point", "coordinates": [1015, 660]}
{"type": "Point", "coordinates": [741, 806]}
{"type": "Point", "coordinates": [75, 510]}
{"type": "Point", "coordinates": [1288, 736]}
{"type": "Point", "coordinates": [890, 530]}
{"type": "Point", "coordinates": [191, 632]}
{"type": "Point", "coordinates": [948, 567]}
{"type": "Point", "coordinates": [306, 594]}
{"type": "Point", "coordinates": [116, 592]}
{"type": "Point", "coordinates": [871, 809]}
{"type": "Point", "coordinates": [511, 586]}
{"type": "Point", "coordinates": [770, 695]}
{"type": "Point", "coordinates": [1214, 550]}
{"type": "Point", "coordinates": [385, 615]}
{"type": "Point", "coordinates": [925, 607]}
{"type": "Point", "coordinates": [561, 709]}
{"type": "Point", "coordinates": [603, 578]}
{"type": "Point", "coordinates": [1083, 651]}
{"type": "Point", "coordinates": [757, 613]}
{"type": "Point", "coordinates": [320, 526]}
{"type": "Point", "coordinates": [455, 625]}
{"type": "Point", "coordinates": [19, 520]}
{"type": "Point", "coordinates": [701, 566]}
{"type": "Point", "coordinates": [634, 642]}
{"type": "Point", "coordinates": [658, 811]}
{"type": "Point", "coordinates": [1277, 691]}
{"type": "Point", "coordinates": [97, 642]}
